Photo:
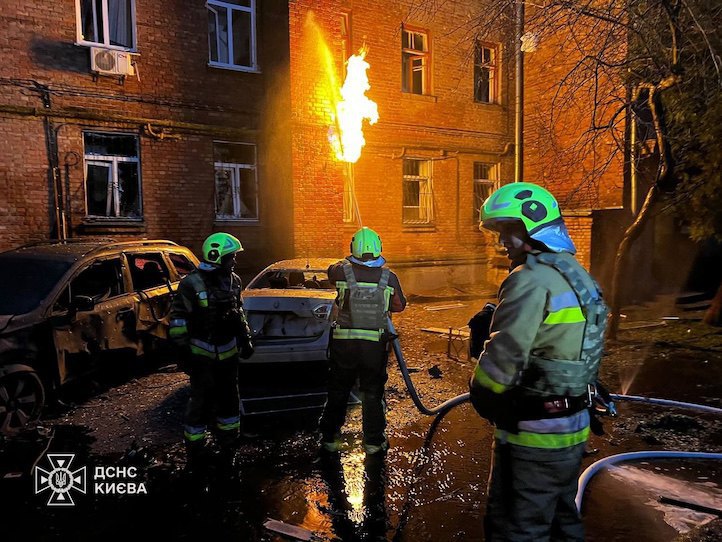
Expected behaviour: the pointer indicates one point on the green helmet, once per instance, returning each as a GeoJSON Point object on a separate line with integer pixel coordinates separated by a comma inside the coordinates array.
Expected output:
{"type": "Point", "coordinates": [365, 241]}
{"type": "Point", "coordinates": [531, 204]}
{"type": "Point", "coordinates": [218, 245]}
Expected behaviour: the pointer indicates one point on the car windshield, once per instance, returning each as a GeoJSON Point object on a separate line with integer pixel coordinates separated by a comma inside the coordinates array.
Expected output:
{"type": "Point", "coordinates": [312, 279]}
{"type": "Point", "coordinates": [25, 282]}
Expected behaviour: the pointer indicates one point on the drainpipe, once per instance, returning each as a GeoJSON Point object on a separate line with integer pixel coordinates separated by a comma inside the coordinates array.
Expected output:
{"type": "Point", "coordinates": [519, 109]}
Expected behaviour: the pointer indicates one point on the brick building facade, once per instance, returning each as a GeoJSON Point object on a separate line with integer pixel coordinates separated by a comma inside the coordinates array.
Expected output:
{"type": "Point", "coordinates": [225, 126]}
{"type": "Point", "coordinates": [146, 154]}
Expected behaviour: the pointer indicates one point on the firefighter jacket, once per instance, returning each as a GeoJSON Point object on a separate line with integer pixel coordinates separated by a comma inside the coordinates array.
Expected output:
{"type": "Point", "coordinates": [207, 316]}
{"type": "Point", "coordinates": [537, 341]}
{"type": "Point", "coordinates": [365, 296]}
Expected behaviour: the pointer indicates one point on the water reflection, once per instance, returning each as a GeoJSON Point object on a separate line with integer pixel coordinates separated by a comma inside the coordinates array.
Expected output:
{"type": "Point", "coordinates": [356, 495]}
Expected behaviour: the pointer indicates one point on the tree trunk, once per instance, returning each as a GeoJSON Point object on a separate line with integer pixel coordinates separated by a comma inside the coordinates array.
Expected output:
{"type": "Point", "coordinates": [713, 316]}
{"type": "Point", "coordinates": [633, 231]}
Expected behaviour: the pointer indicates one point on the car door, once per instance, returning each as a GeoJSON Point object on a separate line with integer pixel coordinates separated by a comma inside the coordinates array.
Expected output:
{"type": "Point", "coordinates": [93, 316]}
{"type": "Point", "coordinates": [153, 287]}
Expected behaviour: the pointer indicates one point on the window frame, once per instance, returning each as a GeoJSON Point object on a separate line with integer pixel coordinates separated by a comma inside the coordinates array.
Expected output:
{"type": "Point", "coordinates": [493, 183]}
{"type": "Point", "coordinates": [253, 68]}
{"type": "Point", "coordinates": [494, 70]}
{"type": "Point", "coordinates": [113, 161]}
{"type": "Point", "coordinates": [425, 55]}
{"type": "Point", "coordinates": [236, 184]}
{"type": "Point", "coordinates": [105, 44]}
{"type": "Point", "coordinates": [429, 193]}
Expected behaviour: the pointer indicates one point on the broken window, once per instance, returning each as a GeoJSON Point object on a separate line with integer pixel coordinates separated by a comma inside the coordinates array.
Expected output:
{"type": "Point", "coordinates": [418, 207]}
{"type": "Point", "coordinates": [486, 74]}
{"type": "Point", "coordinates": [112, 175]}
{"type": "Point", "coordinates": [486, 180]}
{"type": "Point", "coordinates": [107, 22]}
{"type": "Point", "coordinates": [232, 33]}
{"type": "Point", "coordinates": [414, 61]}
{"type": "Point", "coordinates": [100, 281]}
{"type": "Point", "coordinates": [183, 265]}
{"type": "Point", "coordinates": [147, 270]}
{"type": "Point", "coordinates": [236, 181]}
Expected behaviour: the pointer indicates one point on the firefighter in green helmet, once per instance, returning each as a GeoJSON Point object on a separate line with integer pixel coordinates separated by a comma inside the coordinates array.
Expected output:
{"type": "Point", "coordinates": [367, 292]}
{"type": "Point", "coordinates": [534, 377]}
{"type": "Point", "coordinates": [209, 326]}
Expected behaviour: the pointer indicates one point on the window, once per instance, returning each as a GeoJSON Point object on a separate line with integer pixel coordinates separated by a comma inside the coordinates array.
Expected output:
{"type": "Point", "coordinates": [101, 280]}
{"type": "Point", "coordinates": [486, 73]}
{"type": "Point", "coordinates": [486, 180]}
{"type": "Point", "coordinates": [232, 33]}
{"type": "Point", "coordinates": [148, 270]}
{"type": "Point", "coordinates": [183, 265]}
{"type": "Point", "coordinates": [415, 61]}
{"type": "Point", "coordinates": [345, 41]}
{"type": "Point", "coordinates": [236, 181]}
{"type": "Point", "coordinates": [112, 175]}
{"type": "Point", "coordinates": [418, 205]}
{"type": "Point", "coordinates": [110, 23]}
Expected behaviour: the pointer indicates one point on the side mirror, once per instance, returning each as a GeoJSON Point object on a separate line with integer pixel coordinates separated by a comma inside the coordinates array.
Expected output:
{"type": "Point", "coordinates": [83, 303]}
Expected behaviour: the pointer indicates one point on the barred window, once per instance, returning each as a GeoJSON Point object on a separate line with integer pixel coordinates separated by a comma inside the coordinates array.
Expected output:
{"type": "Point", "coordinates": [418, 201]}
{"type": "Point", "coordinates": [486, 180]}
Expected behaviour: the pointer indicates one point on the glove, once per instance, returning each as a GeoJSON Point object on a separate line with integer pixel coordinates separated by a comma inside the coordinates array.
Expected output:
{"type": "Point", "coordinates": [479, 327]}
{"type": "Point", "coordinates": [497, 408]}
{"type": "Point", "coordinates": [247, 349]}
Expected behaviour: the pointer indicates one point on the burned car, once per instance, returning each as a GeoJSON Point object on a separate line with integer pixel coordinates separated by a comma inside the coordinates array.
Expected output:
{"type": "Point", "coordinates": [66, 306]}
{"type": "Point", "coordinates": [289, 306]}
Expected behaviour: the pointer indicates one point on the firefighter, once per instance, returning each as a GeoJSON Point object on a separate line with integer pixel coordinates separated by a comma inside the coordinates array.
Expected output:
{"type": "Point", "coordinates": [367, 292]}
{"type": "Point", "coordinates": [533, 378]}
{"type": "Point", "coordinates": [208, 324]}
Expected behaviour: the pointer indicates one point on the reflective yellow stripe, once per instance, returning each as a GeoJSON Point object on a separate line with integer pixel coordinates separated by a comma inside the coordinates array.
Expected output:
{"type": "Point", "coordinates": [363, 334]}
{"type": "Point", "coordinates": [194, 436]}
{"type": "Point", "coordinates": [544, 440]}
{"type": "Point", "coordinates": [197, 350]}
{"type": "Point", "coordinates": [228, 354]}
{"type": "Point", "coordinates": [489, 383]}
{"type": "Point", "coordinates": [228, 426]}
{"type": "Point", "coordinates": [177, 331]}
{"type": "Point", "coordinates": [572, 315]}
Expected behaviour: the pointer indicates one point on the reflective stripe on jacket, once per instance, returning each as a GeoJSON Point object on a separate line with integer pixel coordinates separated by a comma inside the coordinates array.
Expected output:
{"type": "Point", "coordinates": [538, 316]}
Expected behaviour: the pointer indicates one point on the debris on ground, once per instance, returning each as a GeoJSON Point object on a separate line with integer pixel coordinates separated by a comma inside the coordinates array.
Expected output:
{"type": "Point", "coordinates": [434, 372]}
{"type": "Point", "coordinates": [299, 533]}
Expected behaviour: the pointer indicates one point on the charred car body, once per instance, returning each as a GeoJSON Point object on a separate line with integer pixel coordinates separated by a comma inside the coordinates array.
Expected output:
{"type": "Point", "coordinates": [65, 305]}
{"type": "Point", "coordinates": [289, 306]}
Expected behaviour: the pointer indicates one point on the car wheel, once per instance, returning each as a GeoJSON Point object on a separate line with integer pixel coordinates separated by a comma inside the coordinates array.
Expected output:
{"type": "Point", "coordinates": [21, 400]}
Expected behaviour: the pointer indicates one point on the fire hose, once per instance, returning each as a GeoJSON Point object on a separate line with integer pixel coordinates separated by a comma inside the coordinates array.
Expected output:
{"type": "Point", "coordinates": [589, 473]}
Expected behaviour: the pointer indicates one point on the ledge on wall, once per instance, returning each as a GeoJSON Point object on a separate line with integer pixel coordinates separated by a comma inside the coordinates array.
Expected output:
{"type": "Point", "coordinates": [95, 226]}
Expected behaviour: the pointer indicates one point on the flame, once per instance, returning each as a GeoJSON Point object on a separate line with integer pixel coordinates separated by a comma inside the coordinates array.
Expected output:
{"type": "Point", "coordinates": [352, 109]}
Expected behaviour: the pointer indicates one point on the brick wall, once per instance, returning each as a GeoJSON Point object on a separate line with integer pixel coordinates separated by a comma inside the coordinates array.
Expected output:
{"type": "Point", "coordinates": [176, 91]}
{"type": "Point", "coordinates": [446, 127]}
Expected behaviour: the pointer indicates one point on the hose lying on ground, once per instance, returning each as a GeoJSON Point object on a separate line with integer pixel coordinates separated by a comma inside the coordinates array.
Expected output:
{"type": "Point", "coordinates": [665, 402]}
{"type": "Point", "coordinates": [592, 469]}
{"type": "Point", "coordinates": [443, 407]}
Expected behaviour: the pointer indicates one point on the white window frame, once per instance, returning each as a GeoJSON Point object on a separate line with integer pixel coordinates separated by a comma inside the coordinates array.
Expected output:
{"type": "Point", "coordinates": [492, 183]}
{"type": "Point", "coordinates": [236, 168]}
{"type": "Point", "coordinates": [493, 67]}
{"type": "Point", "coordinates": [424, 56]}
{"type": "Point", "coordinates": [253, 68]}
{"type": "Point", "coordinates": [113, 184]}
{"type": "Point", "coordinates": [426, 197]}
{"type": "Point", "coordinates": [105, 44]}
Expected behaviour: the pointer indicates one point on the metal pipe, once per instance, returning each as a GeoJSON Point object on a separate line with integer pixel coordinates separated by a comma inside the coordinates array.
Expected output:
{"type": "Point", "coordinates": [519, 98]}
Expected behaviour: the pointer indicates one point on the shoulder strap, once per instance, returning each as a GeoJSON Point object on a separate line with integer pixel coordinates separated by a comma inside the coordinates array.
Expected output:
{"type": "Point", "coordinates": [384, 280]}
{"type": "Point", "coordinates": [350, 277]}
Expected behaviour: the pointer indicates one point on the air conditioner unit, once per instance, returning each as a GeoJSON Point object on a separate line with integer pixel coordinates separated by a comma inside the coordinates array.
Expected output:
{"type": "Point", "coordinates": [111, 62]}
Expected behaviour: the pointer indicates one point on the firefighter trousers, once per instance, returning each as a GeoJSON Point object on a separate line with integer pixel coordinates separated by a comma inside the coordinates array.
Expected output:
{"type": "Point", "coordinates": [214, 395]}
{"type": "Point", "coordinates": [531, 494]}
{"type": "Point", "coordinates": [352, 359]}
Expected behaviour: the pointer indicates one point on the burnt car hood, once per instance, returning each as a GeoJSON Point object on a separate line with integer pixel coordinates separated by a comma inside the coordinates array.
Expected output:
{"type": "Point", "coordinates": [10, 323]}
{"type": "Point", "coordinates": [302, 302]}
